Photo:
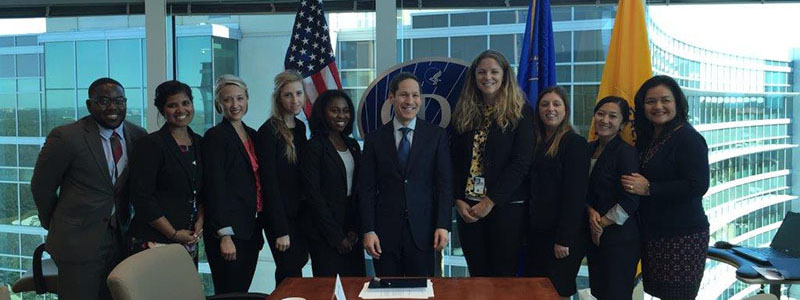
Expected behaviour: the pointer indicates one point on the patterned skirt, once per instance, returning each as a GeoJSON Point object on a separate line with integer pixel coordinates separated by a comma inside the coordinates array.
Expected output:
{"type": "Point", "coordinates": [673, 267]}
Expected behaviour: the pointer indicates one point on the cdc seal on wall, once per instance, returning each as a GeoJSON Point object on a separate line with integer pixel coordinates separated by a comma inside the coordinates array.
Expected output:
{"type": "Point", "coordinates": [441, 80]}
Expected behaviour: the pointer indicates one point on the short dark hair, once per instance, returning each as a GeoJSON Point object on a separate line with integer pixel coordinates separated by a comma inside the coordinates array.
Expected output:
{"type": "Point", "coordinates": [318, 124]}
{"type": "Point", "coordinates": [100, 82]}
{"type": "Point", "coordinates": [170, 88]}
{"type": "Point", "coordinates": [400, 77]}
{"type": "Point", "coordinates": [642, 126]}
{"type": "Point", "coordinates": [624, 108]}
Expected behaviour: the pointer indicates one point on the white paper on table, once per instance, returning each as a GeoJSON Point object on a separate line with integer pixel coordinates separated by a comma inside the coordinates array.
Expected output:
{"type": "Point", "coordinates": [397, 293]}
{"type": "Point", "coordinates": [338, 289]}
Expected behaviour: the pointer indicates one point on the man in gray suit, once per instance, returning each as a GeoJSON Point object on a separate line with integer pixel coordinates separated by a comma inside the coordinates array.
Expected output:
{"type": "Point", "coordinates": [80, 189]}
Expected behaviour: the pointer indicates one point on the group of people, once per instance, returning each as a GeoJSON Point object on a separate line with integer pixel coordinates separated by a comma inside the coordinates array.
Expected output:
{"type": "Point", "coordinates": [533, 197]}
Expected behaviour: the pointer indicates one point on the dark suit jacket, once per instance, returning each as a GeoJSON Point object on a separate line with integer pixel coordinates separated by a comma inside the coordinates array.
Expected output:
{"type": "Point", "coordinates": [334, 213]}
{"type": "Point", "coordinates": [679, 177]}
{"type": "Point", "coordinates": [163, 184]}
{"type": "Point", "coordinates": [73, 191]}
{"type": "Point", "coordinates": [558, 190]}
{"type": "Point", "coordinates": [506, 162]}
{"type": "Point", "coordinates": [605, 190]}
{"type": "Point", "coordinates": [424, 186]}
{"type": "Point", "coordinates": [282, 182]}
{"type": "Point", "coordinates": [228, 182]}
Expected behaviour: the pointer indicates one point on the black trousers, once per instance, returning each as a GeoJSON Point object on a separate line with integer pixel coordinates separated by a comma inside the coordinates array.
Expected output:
{"type": "Point", "coordinates": [407, 260]}
{"type": "Point", "coordinates": [612, 269]}
{"type": "Point", "coordinates": [87, 280]}
{"type": "Point", "coordinates": [290, 263]}
{"type": "Point", "coordinates": [542, 262]}
{"type": "Point", "coordinates": [233, 276]}
{"type": "Point", "coordinates": [327, 262]}
{"type": "Point", "coordinates": [492, 245]}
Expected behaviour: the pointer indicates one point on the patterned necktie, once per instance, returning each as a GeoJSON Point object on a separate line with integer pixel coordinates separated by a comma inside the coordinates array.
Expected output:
{"type": "Point", "coordinates": [403, 148]}
{"type": "Point", "coordinates": [116, 147]}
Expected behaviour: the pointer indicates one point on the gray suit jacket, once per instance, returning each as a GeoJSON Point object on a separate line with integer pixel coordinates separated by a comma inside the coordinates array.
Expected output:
{"type": "Point", "coordinates": [73, 191]}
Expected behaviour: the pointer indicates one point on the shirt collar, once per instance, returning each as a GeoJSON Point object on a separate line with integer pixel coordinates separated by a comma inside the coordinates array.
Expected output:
{"type": "Point", "coordinates": [397, 125]}
{"type": "Point", "coordinates": [106, 133]}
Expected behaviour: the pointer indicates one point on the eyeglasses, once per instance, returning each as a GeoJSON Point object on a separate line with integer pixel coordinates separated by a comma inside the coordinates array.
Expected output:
{"type": "Point", "coordinates": [105, 101]}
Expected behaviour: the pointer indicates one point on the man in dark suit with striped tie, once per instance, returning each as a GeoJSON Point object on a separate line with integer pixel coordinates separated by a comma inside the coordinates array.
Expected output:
{"type": "Point", "coordinates": [79, 185]}
{"type": "Point", "coordinates": [405, 187]}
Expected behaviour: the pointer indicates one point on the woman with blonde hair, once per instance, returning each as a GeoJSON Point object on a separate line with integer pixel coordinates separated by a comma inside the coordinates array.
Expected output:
{"type": "Point", "coordinates": [233, 191]}
{"type": "Point", "coordinates": [491, 148]}
{"type": "Point", "coordinates": [279, 142]}
{"type": "Point", "coordinates": [559, 178]}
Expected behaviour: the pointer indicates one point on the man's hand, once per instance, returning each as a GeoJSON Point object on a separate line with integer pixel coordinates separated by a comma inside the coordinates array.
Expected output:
{"type": "Point", "coordinates": [373, 245]}
{"type": "Point", "coordinates": [440, 239]}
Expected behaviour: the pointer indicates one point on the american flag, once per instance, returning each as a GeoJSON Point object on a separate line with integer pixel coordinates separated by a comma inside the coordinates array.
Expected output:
{"type": "Point", "coordinates": [310, 52]}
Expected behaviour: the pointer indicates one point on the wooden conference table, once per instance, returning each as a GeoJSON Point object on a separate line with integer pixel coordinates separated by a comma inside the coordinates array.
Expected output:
{"type": "Point", "coordinates": [474, 288]}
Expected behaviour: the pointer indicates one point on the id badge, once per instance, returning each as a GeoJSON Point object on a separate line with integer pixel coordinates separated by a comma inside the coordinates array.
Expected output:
{"type": "Point", "coordinates": [479, 185]}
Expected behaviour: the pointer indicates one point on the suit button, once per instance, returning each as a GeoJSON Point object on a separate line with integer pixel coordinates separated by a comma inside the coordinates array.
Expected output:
{"type": "Point", "coordinates": [405, 181]}
{"type": "Point", "coordinates": [195, 192]}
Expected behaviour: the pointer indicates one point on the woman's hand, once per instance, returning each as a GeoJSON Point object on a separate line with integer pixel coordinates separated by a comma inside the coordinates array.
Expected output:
{"type": "Point", "coordinates": [594, 220]}
{"type": "Point", "coordinates": [560, 251]}
{"type": "Point", "coordinates": [227, 248]}
{"type": "Point", "coordinates": [596, 237]}
{"type": "Point", "coordinates": [184, 236]}
{"type": "Point", "coordinates": [282, 243]}
{"type": "Point", "coordinates": [636, 184]}
{"type": "Point", "coordinates": [482, 209]}
{"type": "Point", "coordinates": [463, 210]}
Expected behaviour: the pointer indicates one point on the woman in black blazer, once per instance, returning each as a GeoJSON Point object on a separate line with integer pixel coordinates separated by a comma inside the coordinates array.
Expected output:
{"type": "Point", "coordinates": [491, 150]}
{"type": "Point", "coordinates": [614, 251]}
{"type": "Point", "coordinates": [166, 176]}
{"type": "Point", "coordinates": [279, 143]}
{"type": "Point", "coordinates": [672, 182]}
{"type": "Point", "coordinates": [329, 164]}
{"type": "Point", "coordinates": [233, 191]}
{"type": "Point", "coordinates": [558, 179]}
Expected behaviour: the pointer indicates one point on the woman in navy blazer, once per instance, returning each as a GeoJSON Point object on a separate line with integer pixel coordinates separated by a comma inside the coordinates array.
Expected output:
{"type": "Point", "coordinates": [614, 251]}
{"type": "Point", "coordinates": [166, 176]}
{"type": "Point", "coordinates": [279, 143]}
{"type": "Point", "coordinates": [673, 179]}
{"type": "Point", "coordinates": [232, 190]}
{"type": "Point", "coordinates": [329, 164]}
{"type": "Point", "coordinates": [558, 179]}
{"type": "Point", "coordinates": [491, 147]}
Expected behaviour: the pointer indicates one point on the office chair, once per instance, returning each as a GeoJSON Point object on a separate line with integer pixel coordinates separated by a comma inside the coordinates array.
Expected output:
{"type": "Point", "coordinates": [163, 273]}
{"type": "Point", "coordinates": [41, 278]}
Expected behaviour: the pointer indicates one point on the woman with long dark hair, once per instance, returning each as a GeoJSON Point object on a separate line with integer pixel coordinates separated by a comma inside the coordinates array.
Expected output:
{"type": "Point", "coordinates": [491, 148]}
{"type": "Point", "coordinates": [166, 176]}
{"type": "Point", "coordinates": [279, 142]}
{"type": "Point", "coordinates": [614, 251]}
{"type": "Point", "coordinates": [672, 181]}
{"type": "Point", "coordinates": [558, 179]}
{"type": "Point", "coordinates": [329, 164]}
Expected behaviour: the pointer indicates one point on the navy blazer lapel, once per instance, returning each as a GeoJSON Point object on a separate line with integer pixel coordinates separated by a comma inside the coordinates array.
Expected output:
{"type": "Point", "coordinates": [602, 159]}
{"type": "Point", "coordinates": [386, 137]}
{"type": "Point", "coordinates": [333, 155]}
{"type": "Point", "coordinates": [420, 140]}
{"type": "Point", "coordinates": [228, 127]}
{"type": "Point", "coordinates": [172, 148]}
{"type": "Point", "coordinates": [94, 141]}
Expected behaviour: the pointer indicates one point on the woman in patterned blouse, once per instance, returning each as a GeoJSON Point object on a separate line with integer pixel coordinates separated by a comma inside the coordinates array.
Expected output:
{"type": "Point", "coordinates": [491, 148]}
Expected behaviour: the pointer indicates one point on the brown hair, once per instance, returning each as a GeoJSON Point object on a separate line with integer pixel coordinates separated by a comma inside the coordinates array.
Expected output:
{"type": "Point", "coordinates": [278, 112]}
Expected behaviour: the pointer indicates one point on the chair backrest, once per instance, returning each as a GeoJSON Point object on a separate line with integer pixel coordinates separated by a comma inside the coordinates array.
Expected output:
{"type": "Point", "coordinates": [165, 272]}
{"type": "Point", "coordinates": [762, 297]}
{"type": "Point", "coordinates": [4, 293]}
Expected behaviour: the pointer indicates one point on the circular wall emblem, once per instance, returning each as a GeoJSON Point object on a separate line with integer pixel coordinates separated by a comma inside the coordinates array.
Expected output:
{"type": "Point", "coordinates": [441, 80]}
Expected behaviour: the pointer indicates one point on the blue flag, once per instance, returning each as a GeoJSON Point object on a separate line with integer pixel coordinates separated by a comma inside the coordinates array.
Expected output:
{"type": "Point", "coordinates": [537, 62]}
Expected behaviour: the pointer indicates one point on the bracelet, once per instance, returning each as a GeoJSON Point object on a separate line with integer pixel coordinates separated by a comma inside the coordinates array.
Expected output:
{"type": "Point", "coordinates": [173, 235]}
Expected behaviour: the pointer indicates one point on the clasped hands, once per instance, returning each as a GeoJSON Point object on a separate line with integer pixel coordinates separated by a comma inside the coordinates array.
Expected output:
{"type": "Point", "coordinates": [477, 211]}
